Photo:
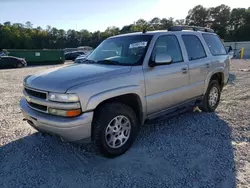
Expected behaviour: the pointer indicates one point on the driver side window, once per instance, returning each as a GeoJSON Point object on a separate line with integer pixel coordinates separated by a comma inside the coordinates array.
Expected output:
{"type": "Point", "coordinates": [169, 45]}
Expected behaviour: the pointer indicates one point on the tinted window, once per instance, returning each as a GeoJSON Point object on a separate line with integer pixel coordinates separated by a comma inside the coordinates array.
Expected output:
{"type": "Point", "coordinates": [215, 45]}
{"type": "Point", "coordinates": [168, 44]}
{"type": "Point", "coordinates": [194, 47]}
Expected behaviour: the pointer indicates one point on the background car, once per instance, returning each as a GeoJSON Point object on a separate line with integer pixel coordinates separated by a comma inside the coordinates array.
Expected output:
{"type": "Point", "coordinates": [81, 58]}
{"type": "Point", "coordinates": [12, 62]}
{"type": "Point", "coordinates": [73, 55]}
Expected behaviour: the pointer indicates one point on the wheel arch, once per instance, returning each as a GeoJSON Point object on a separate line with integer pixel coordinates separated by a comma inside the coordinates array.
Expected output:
{"type": "Point", "coordinates": [129, 95]}
{"type": "Point", "coordinates": [215, 75]}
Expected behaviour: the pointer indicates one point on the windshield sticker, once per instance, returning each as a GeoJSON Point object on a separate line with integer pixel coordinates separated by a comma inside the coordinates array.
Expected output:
{"type": "Point", "coordinates": [138, 44]}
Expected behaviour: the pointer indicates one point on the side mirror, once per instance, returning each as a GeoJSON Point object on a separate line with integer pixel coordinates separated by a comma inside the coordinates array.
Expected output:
{"type": "Point", "coordinates": [162, 59]}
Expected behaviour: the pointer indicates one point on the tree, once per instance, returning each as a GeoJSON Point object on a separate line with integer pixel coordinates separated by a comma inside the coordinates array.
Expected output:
{"type": "Point", "coordinates": [28, 25]}
{"type": "Point", "coordinates": [167, 23]}
{"type": "Point", "coordinates": [155, 23]}
{"type": "Point", "coordinates": [140, 25]}
{"type": "Point", "coordinates": [126, 29]}
{"type": "Point", "coordinates": [111, 31]}
{"type": "Point", "coordinates": [7, 24]}
{"type": "Point", "coordinates": [219, 18]}
{"type": "Point", "coordinates": [233, 25]}
{"type": "Point", "coordinates": [239, 24]}
{"type": "Point", "coordinates": [237, 18]}
{"type": "Point", "coordinates": [180, 22]}
{"type": "Point", "coordinates": [198, 16]}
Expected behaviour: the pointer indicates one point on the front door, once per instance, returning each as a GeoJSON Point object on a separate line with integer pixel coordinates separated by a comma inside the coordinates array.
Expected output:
{"type": "Point", "coordinates": [166, 85]}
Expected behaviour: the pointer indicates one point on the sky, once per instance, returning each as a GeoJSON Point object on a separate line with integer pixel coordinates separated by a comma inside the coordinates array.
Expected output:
{"type": "Point", "coordinates": [96, 15]}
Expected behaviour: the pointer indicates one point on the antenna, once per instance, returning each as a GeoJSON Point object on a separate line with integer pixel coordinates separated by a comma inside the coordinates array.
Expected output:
{"type": "Point", "coordinates": [144, 30]}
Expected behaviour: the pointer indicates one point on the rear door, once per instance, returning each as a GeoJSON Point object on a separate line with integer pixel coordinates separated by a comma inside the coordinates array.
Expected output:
{"type": "Point", "coordinates": [199, 63]}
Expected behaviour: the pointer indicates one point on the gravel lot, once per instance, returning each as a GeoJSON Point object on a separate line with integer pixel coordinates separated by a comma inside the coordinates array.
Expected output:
{"type": "Point", "coordinates": [190, 150]}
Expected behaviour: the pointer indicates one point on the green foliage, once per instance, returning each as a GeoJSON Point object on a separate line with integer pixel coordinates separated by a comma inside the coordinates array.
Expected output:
{"type": "Point", "coordinates": [232, 25]}
{"type": "Point", "coordinates": [198, 16]}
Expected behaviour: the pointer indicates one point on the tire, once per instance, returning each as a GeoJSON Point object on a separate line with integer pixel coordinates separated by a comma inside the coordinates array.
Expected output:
{"type": "Point", "coordinates": [104, 121]}
{"type": "Point", "coordinates": [207, 105]}
{"type": "Point", "coordinates": [19, 65]}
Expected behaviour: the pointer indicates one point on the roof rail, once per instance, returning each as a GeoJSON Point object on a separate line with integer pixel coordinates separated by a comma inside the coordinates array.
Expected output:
{"type": "Point", "coordinates": [193, 28]}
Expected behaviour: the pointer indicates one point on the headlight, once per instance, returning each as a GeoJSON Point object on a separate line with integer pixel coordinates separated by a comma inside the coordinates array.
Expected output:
{"type": "Point", "coordinates": [65, 113]}
{"type": "Point", "coordinates": [63, 97]}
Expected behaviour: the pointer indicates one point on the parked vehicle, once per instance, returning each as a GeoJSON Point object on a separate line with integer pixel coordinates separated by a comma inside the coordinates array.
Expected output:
{"type": "Point", "coordinates": [82, 58]}
{"type": "Point", "coordinates": [80, 48]}
{"type": "Point", "coordinates": [127, 80]}
{"type": "Point", "coordinates": [12, 62]}
{"type": "Point", "coordinates": [73, 55]}
{"type": "Point", "coordinates": [35, 56]}
{"type": "Point", "coordinates": [85, 48]}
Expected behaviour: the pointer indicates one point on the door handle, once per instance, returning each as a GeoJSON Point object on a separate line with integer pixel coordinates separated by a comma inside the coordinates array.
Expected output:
{"type": "Point", "coordinates": [184, 70]}
{"type": "Point", "coordinates": [207, 65]}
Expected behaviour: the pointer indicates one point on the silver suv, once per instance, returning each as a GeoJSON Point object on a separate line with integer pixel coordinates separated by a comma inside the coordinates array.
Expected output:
{"type": "Point", "coordinates": [125, 81]}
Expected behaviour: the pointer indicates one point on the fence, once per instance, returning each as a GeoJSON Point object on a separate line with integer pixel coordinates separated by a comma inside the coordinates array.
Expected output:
{"type": "Point", "coordinates": [237, 46]}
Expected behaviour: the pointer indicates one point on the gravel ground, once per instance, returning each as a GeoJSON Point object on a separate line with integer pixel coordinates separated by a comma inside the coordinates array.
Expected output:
{"type": "Point", "coordinates": [190, 150]}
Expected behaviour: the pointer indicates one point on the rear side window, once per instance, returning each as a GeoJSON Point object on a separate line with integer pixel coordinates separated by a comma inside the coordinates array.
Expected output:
{"type": "Point", "coordinates": [215, 45]}
{"type": "Point", "coordinates": [194, 47]}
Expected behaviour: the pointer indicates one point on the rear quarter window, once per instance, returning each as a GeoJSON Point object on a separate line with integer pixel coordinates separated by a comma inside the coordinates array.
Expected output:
{"type": "Point", "coordinates": [214, 43]}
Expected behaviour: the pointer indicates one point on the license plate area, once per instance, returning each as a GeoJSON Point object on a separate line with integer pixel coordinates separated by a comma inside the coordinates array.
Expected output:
{"type": "Point", "coordinates": [27, 117]}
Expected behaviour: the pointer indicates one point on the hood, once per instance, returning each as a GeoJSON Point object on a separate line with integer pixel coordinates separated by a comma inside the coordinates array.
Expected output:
{"type": "Point", "coordinates": [62, 78]}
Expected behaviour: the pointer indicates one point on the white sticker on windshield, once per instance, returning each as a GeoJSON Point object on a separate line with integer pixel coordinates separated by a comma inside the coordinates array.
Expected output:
{"type": "Point", "coordinates": [138, 44]}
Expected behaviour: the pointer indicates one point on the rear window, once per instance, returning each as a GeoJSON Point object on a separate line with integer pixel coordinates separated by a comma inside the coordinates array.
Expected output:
{"type": "Point", "coordinates": [194, 47]}
{"type": "Point", "coordinates": [214, 43]}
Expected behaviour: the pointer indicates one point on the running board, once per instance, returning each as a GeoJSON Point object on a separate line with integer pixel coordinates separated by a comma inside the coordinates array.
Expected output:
{"type": "Point", "coordinates": [176, 110]}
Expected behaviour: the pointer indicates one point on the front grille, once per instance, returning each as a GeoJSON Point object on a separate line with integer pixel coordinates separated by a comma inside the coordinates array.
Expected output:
{"type": "Point", "coordinates": [38, 107]}
{"type": "Point", "coordinates": [36, 94]}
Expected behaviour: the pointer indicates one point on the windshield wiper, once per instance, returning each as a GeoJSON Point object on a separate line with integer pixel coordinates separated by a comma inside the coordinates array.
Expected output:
{"type": "Point", "coordinates": [108, 62]}
{"type": "Point", "coordinates": [87, 61]}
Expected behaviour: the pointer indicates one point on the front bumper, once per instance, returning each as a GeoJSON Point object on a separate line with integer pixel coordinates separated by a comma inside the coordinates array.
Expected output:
{"type": "Point", "coordinates": [70, 129]}
{"type": "Point", "coordinates": [225, 83]}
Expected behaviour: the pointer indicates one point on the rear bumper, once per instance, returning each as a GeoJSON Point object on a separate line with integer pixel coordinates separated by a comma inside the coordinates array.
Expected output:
{"type": "Point", "coordinates": [25, 63]}
{"type": "Point", "coordinates": [70, 129]}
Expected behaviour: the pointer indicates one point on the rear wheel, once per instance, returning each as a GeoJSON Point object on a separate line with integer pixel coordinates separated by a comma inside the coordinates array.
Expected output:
{"type": "Point", "coordinates": [212, 97]}
{"type": "Point", "coordinates": [115, 128]}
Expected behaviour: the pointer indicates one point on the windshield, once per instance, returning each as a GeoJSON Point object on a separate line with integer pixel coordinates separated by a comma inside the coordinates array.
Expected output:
{"type": "Point", "coordinates": [126, 50]}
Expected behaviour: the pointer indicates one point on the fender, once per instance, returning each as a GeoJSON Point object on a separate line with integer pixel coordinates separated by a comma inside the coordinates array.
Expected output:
{"type": "Point", "coordinates": [210, 74]}
{"type": "Point", "coordinates": [96, 99]}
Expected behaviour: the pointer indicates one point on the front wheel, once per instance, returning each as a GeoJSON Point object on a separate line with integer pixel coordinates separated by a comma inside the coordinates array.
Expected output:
{"type": "Point", "coordinates": [212, 97]}
{"type": "Point", "coordinates": [19, 65]}
{"type": "Point", "coordinates": [115, 128]}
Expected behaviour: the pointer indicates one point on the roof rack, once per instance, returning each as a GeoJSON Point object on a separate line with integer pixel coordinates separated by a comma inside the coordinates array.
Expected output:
{"type": "Point", "coordinates": [193, 28]}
